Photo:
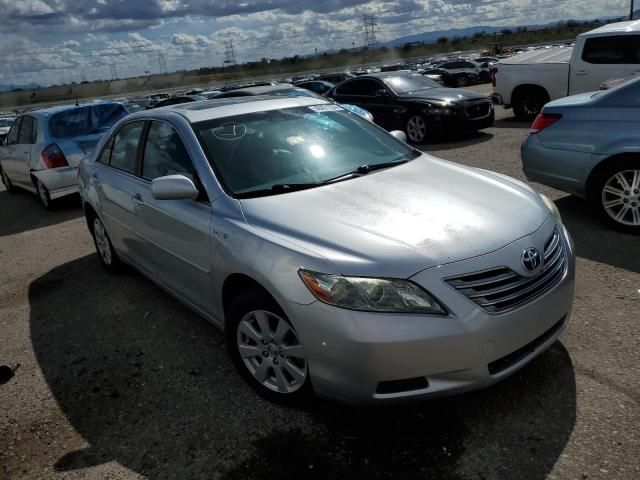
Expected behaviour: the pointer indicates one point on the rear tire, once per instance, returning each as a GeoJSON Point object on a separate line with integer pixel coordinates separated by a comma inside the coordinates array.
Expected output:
{"type": "Point", "coordinates": [614, 193]}
{"type": "Point", "coordinates": [43, 195]}
{"type": "Point", "coordinates": [265, 349]}
{"type": "Point", "coordinates": [527, 103]}
{"type": "Point", "coordinates": [106, 253]}
{"type": "Point", "coordinates": [7, 181]}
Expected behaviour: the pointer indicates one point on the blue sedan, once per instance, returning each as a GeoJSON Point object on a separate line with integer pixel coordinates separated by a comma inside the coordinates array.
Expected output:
{"type": "Point", "coordinates": [589, 145]}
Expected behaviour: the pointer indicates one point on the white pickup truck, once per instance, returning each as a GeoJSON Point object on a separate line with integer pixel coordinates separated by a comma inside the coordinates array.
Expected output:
{"type": "Point", "coordinates": [529, 80]}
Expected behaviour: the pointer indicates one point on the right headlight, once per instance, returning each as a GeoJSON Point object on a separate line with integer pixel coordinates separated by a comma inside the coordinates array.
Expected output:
{"type": "Point", "coordinates": [370, 294]}
{"type": "Point", "coordinates": [552, 208]}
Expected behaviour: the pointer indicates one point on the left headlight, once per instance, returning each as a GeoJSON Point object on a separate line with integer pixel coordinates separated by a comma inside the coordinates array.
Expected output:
{"type": "Point", "coordinates": [552, 208]}
{"type": "Point", "coordinates": [370, 294]}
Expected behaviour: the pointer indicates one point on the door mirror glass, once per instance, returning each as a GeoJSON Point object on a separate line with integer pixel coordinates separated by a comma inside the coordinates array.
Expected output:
{"type": "Point", "coordinates": [400, 135]}
{"type": "Point", "coordinates": [173, 187]}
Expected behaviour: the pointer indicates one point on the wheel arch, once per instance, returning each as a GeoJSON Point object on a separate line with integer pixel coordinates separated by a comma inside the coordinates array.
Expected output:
{"type": "Point", "coordinates": [527, 86]}
{"type": "Point", "coordinates": [236, 283]}
{"type": "Point", "coordinates": [604, 163]}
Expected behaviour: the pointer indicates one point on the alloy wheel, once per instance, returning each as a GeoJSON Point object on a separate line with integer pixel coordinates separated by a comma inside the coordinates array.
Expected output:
{"type": "Point", "coordinates": [416, 129]}
{"type": "Point", "coordinates": [102, 242]}
{"type": "Point", "coordinates": [271, 351]}
{"type": "Point", "coordinates": [621, 197]}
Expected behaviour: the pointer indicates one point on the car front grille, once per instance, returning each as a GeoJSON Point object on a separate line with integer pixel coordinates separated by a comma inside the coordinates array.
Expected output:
{"type": "Point", "coordinates": [501, 289]}
{"type": "Point", "coordinates": [478, 110]}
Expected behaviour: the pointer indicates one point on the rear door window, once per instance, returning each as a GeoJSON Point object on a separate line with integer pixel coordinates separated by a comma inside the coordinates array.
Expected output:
{"type": "Point", "coordinates": [612, 50]}
{"type": "Point", "coordinates": [124, 155]}
{"type": "Point", "coordinates": [165, 154]}
{"type": "Point", "coordinates": [26, 131]}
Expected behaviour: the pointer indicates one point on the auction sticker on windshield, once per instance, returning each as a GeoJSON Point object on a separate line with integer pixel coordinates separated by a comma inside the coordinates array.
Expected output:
{"type": "Point", "coordinates": [326, 108]}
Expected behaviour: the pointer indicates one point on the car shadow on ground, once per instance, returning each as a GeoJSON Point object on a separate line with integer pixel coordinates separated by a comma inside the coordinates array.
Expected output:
{"type": "Point", "coordinates": [512, 122]}
{"type": "Point", "coordinates": [457, 141]}
{"type": "Point", "coordinates": [595, 240]}
{"type": "Point", "coordinates": [148, 384]}
{"type": "Point", "coordinates": [22, 212]}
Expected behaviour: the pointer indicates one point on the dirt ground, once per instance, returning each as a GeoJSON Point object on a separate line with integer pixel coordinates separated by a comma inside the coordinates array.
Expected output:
{"type": "Point", "coordinates": [117, 380]}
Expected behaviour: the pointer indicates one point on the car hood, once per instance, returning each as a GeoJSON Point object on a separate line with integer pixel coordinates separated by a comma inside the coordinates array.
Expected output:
{"type": "Point", "coordinates": [399, 221]}
{"type": "Point", "coordinates": [440, 94]}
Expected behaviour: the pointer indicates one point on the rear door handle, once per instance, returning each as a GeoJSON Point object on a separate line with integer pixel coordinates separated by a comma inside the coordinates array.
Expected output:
{"type": "Point", "coordinates": [581, 73]}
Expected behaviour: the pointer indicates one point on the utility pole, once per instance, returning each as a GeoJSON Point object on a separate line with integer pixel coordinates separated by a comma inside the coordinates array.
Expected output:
{"type": "Point", "coordinates": [229, 55]}
{"type": "Point", "coordinates": [370, 22]}
{"type": "Point", "coordinates": [631, 11]}
{"type": "Point", "coordinates": [162, 63]}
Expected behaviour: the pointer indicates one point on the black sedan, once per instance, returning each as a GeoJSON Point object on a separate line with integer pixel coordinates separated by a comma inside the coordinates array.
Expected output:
{"type": "Point", "coordinates": [417, 105]}
{"type": "Point", "coordinates": [455, 78]}
{"type": "Point", "coordinates": [317, 86]}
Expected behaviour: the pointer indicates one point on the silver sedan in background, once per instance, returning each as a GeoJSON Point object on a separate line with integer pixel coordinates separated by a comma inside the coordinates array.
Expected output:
{"type": "Point", "coordinates": [336, 258]}
{"type": "Point", "coordinates": [44, 147]}
{"type": "Point", "coordinates": [589, 145]}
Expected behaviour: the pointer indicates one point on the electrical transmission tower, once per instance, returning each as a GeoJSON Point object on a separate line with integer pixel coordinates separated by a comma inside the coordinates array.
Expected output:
{"type": "Point", "coordinates": [83, 76]}
{"type": "Point", "coordinates": [369, 23]}
{"type": "Point", "coordinates": [162, 62]}
{"type": "Point", "coordinates": [229, 55]}
{"type": "Point", "coordinates": [114, 72]}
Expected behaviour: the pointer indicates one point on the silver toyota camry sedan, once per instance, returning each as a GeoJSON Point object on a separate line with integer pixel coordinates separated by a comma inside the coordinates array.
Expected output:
{"type": "Point", "coordinates": [336, 258]}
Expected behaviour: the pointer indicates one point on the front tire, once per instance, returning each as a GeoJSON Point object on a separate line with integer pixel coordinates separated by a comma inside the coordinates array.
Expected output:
{"type": "Point", "coordinates": [461, 82]}
{"type": "Point", "coordinates": [265, 348]}
{"type": "Point", "coordinates": [416, 129]}
{"type": "Point", "coordinates": [615, 194]}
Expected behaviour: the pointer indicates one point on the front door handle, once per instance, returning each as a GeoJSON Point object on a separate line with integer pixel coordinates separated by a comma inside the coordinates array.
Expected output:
{"type": "Point", "coordinates": [581, 73]}
{"type": "Point", "coordinates": [137, 200]}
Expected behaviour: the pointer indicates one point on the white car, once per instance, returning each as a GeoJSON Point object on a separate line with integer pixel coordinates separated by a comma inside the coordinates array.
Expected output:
{"type": "Point", "coordinates": [529, 80]}
{"type": "Point", "coordinates": [5, 126]}
{"type": "Point", "coordinates": [44, 147]}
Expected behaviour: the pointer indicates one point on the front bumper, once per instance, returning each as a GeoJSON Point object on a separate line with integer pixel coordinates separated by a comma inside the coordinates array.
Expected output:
{"type": "Point", "coordinates": [361, 357]}
{"type": "Point", "coordinates": [451, 124]}
{"type": "Point", "coordinates": [60, 181]}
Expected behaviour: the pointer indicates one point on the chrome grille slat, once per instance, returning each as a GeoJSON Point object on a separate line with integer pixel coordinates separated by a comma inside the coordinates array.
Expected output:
{"type": "Point", "coordinates": [539, 280]}
{"type": "Point", "coordinates": [500, 289]}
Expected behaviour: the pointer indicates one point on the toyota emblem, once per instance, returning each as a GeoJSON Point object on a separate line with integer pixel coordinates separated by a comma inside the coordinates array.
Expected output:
{"type": "Point", "coordinates": [531, 259]}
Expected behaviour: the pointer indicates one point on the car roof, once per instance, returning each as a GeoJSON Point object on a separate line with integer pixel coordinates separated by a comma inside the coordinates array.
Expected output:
{"type": "Point", "coordinates": [46, 112]}
{"type": "Point", "coordinates": [618, 27]}
{"type": "Point", "coordinates": [231, 106]}
{"type": "Point", "coordinates": [406, 73]}
{"type": "Point", "coordinates": [263, 89]}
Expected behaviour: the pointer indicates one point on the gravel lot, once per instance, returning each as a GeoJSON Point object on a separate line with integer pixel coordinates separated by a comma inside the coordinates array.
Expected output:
{"type": "Point", "coordinates": [119, 380]}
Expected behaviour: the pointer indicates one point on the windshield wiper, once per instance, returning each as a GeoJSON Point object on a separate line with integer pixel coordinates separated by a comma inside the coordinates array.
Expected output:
{"type": "Point", "coordinates": [292, 187]}
{"type": "Point", "coordinates": [364, 169]}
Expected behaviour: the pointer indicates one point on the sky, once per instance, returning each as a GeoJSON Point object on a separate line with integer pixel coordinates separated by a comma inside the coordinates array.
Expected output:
{"type": "Point", "coordinates": [60, 41]}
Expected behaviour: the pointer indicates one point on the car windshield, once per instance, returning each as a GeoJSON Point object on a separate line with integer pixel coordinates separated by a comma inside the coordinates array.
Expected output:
{"type": "Point", "coordinates": [256, 153]}
{"type": "Point", "coordinates": [409, 83]}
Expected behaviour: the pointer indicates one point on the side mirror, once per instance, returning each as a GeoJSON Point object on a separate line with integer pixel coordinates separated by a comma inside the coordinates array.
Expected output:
{"type": "Point", "coordinates": [173, 187]}
{"type": "Point", "coordinates": [400, 135]}
{"type": "Point", "coordinates": [382, 93]}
